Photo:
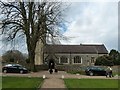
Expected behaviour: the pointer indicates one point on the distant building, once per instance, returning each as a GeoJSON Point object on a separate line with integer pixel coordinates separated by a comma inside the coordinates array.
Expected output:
{"type": "Point", "coordinates": [70, 54]}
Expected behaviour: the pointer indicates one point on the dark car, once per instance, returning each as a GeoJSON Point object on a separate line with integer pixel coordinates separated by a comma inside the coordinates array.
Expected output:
{"type": "Point", "coordinates": [14, 68]}
{"type": "Point", "coordinates": [95, 70]}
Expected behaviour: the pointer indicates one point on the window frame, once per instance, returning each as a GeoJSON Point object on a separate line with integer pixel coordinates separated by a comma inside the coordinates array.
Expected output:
{"type": "Point", "coordinates": [64, 58]}
{"type": "Point", "coordinates": [92, 59]}
{"type": "Point", "coordinates": [77, 58]}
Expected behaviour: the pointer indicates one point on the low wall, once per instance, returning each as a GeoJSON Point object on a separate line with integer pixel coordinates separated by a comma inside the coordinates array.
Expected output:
{"type": "Point", "coordinates": [72, 67]}
{"type": "Point", "coordinates": [62, 67]}
{"type": "Point", "coordinates": [41, 67]}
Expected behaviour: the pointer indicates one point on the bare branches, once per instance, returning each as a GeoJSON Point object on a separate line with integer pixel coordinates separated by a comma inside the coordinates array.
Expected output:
{"type": "Point", "coordinates": [32, 19]}
{"type": "Point", "coordinates": [35, 19]}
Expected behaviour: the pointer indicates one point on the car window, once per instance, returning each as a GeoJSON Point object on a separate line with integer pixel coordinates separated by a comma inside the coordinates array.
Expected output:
{"type": "Point", "coordinates": [15, 66]}
{"type": "Point", "coordinates": [93, 68]}
{"type": "Point", "coordinates": [20, 67]}
{"type": "Point", "coordinates": [100, 68]}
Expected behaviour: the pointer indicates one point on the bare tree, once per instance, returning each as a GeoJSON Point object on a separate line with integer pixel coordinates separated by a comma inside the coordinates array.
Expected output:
{"type": "Point", "coordinates": [32, 19]}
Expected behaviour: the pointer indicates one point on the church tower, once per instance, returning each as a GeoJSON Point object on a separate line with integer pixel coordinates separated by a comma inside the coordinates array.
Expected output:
{"type": "Point", "coordinates": [39, 53]}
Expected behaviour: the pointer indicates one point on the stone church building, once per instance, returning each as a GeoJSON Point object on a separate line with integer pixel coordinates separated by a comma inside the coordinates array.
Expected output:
{"type": "Point", "coordinates": [83, 54]}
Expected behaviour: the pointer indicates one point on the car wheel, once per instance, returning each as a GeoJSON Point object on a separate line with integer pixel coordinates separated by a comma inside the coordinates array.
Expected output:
{"type": "Point", "coordinates": [21, 71]}
{"type": "Point", "coordinates": [91, 73]}
{"type": "Point", "coordinates": [5, 71]}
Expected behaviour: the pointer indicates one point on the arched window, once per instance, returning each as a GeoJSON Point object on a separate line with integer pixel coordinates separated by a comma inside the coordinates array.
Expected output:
{"type": "Point", "coordinates": [92, 59]}
{"type": "Point", "coordinates": [63, 59]}
{"type": "Point", "coordinates": [77, 59]}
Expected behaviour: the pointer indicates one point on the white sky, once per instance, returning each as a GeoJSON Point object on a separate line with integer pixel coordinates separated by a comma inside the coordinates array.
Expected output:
{"type": "Point", "coordinates": [93, 23]}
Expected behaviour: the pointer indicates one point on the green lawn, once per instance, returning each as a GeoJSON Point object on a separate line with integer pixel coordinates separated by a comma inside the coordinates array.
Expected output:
{"type": "Point", "coordinates": [116, 73]}
{"type": "Point", "coordinates": [21, 82]}
{"type": "Point", "coordinates": [91, 83]}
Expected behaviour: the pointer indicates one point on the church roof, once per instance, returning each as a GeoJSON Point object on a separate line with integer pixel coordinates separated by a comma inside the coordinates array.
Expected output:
{"type": "Point", "coordinates": [82, 49]}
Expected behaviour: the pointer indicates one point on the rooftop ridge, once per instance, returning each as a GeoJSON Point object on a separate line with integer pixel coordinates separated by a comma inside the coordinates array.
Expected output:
{"type": "Point", "coordinates": [77, 48]}
{"type": "Point", "coordinates": [75, 45]}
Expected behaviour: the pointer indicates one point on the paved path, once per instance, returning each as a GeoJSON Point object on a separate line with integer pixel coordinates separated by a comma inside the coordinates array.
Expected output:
{"type": "Point", "coordinates": [54, 80]}
{"type": "Point", "coordinates": [53, 83]}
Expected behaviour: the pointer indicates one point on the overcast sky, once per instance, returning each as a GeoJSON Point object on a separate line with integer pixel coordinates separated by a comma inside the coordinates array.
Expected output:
{"type": "Point", "coordinates": [88, 23]}
{"type": "Point", "coordinates": [93, 23]}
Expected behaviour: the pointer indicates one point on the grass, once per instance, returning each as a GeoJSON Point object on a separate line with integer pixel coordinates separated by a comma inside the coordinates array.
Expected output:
{"type": "Point", "coordinates": [116, 73]}
{"type": "Point", "coordinates": [91, 83]}
{"type": "Point", "coordinates": [21, 82]}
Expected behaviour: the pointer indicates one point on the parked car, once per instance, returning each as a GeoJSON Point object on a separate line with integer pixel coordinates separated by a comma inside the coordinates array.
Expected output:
{"type": "Point", "coordinates": [95, 70]}
{"type": "Point", "coordinates": [14, 68]}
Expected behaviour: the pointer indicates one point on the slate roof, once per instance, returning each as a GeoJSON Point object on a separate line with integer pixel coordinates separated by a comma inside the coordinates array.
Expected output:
{"type": "Point", "coordinates": [82, 49]}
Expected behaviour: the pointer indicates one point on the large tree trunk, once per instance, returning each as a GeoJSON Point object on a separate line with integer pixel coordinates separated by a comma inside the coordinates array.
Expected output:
{"type": "Point", "coordinates": [32, 62]}
{"type": "Point", "coordinates": [31, 45]}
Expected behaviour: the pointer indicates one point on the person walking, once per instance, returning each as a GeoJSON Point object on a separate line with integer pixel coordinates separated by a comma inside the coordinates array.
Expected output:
{"type": "Point", "coordinates": [109, 72]}
{"type": "Point", "coordinates": [51, 71]}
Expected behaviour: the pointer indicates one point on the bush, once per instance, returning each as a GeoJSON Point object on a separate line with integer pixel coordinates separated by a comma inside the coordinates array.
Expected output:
{"type": "Point", "coordinates": [104, 61]}
{"type": "Point", "coordinates": [112, 59]}
{"type": "Point", "coordinates": [27, 60]}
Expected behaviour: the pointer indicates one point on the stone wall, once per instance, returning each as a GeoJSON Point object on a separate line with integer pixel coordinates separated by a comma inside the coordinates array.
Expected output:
{"type": "Point", "coordinates": [41, 67]}
{"type": "Point", "coordinates": [85, 58]}
{"type": "Point", "coordinates": [72, 67]}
